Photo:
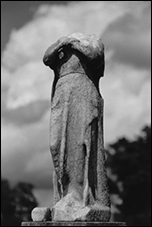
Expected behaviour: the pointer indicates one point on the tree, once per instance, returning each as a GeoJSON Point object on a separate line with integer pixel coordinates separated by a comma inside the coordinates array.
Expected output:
{"type": "Point", "coordinates": [130, 161]}
{"type": "Point", "coordinates": [16, 203]}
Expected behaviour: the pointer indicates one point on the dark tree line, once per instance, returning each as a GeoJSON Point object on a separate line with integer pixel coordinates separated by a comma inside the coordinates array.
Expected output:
{"type": "Point", "coordinates": [16, 203]}
{"type": "Point", "coordinates": [130, 161]}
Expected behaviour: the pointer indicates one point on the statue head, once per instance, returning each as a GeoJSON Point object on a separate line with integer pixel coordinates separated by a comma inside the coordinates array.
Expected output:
{"type": "Point", "coordinates": [88, 46]}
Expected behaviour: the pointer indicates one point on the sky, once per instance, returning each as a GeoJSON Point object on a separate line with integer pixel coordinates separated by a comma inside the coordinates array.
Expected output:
{"type": "Point", "coordinates": [28, 28]}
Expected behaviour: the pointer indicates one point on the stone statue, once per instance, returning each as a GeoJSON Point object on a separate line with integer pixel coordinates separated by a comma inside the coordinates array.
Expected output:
{"type": "Point", "coordinates": [76, 129]}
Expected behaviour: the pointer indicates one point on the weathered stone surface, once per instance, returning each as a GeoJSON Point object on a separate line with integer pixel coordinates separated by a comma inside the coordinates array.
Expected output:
{"type": "Point", "coordinates": [41, 214]}
{"type": "Point", "coordinates": [71, 209]}
{"type": "Point", "coordinates": [73, 224]}
{"type": "Point", "coordinates": [76, 131]}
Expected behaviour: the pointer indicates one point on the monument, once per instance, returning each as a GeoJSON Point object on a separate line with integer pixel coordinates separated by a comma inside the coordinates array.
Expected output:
{"type": "Point", "coordinates": [81, 195]}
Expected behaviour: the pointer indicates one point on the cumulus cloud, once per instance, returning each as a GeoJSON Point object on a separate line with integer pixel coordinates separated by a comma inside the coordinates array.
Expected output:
{"type": "Point", "coordinates": [127, 101]}
{"type": "Point", "coordinates": [130, 38]}
{"type": "Point", "coordinates": [26, 82]}
{"type": "Point", "coordinates": [51, 22]}
{"type": "Point", "coordinates": [23, 115]}
{"type": "Point", "coordinates": [22, 146]}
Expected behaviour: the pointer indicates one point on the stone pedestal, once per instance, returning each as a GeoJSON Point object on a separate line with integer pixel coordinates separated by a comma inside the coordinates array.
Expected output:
{"type": "Point", "coordinates": [68, 223]}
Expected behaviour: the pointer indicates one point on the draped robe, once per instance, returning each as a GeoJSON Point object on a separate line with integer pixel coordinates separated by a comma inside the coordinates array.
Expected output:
{"type": "Point", "coordinates": [76, 140]}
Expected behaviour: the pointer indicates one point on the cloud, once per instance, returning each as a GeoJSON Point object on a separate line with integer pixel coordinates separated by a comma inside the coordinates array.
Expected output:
{"type": "Point", "coordinates": [127, 93]}
{"type": "Point", "coordinates": [27, 114]}
{"type": "Point", "coordinates": [51, 22]}
{"type": "Point", "coordinates": [39, 170]}
{"type": "Point", "coordinates": [26, 93]}
{"type": "Point", "coordinates": [130, 38]}
{"type": "Point", "coordinates": [26, 82]}
{"type": "Point", "coordinates": [23, 145]}
{"type": "Point", "coordinates": [44, 196]}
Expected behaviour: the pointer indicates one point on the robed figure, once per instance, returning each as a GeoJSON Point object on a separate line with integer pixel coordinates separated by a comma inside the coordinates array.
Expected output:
{"type": "Point", "coordinates": [76, 129]}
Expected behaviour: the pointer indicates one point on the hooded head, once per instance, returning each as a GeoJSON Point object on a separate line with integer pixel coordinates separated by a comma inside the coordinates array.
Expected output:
{"type": "Point", "coordinates": [89, 46]}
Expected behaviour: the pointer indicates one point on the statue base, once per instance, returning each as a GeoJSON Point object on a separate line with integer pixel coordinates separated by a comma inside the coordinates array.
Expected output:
{"type": "Point", "coordinates": [68, 223]}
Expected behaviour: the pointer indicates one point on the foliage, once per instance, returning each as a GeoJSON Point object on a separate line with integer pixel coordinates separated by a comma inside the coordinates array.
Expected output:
{"type": "Point", "coordinates": [16, 203]}
{"type": "Point", "coordinates": [130, 161]}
